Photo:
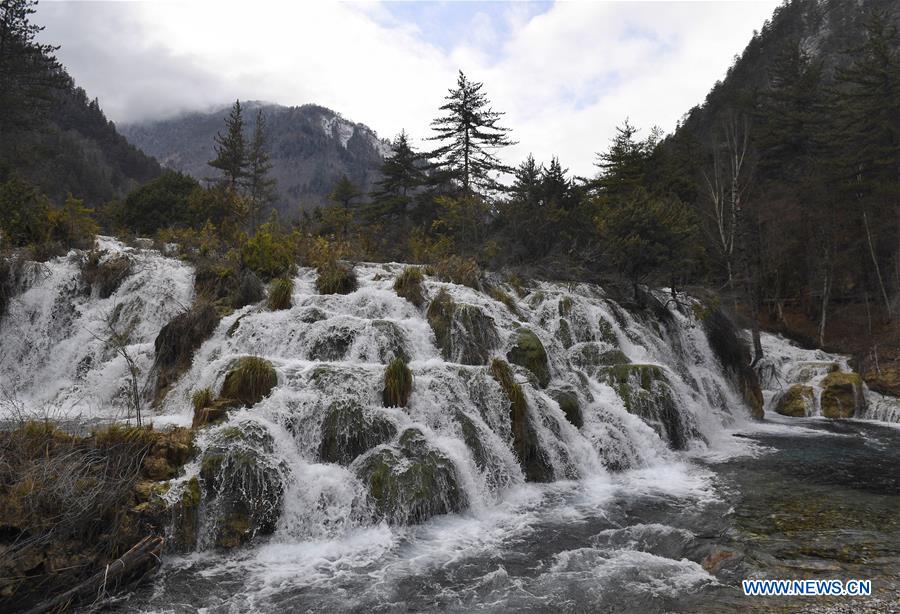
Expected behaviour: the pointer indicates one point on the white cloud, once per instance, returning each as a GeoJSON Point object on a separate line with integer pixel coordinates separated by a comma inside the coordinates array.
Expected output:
{"type": "Point", "coordinates": [566, 77]}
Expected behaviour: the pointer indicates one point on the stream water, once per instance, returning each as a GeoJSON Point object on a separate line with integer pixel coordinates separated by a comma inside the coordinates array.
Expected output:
{"type": "Point", "coordinates": [819, 500]}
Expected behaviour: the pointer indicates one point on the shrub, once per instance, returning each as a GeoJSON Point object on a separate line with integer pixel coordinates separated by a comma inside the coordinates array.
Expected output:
{"type": "Point", "coordinates": [159, 203]}
{"type": "Point", "coordinates": [280, 292]}
{"type": "Point", "coordinates": [249, 381]}
{"type": "Point", "coordinates": [336, 278]}
{"type": "Point", "coordinates": [269, 253]}
{"type": "Point", "coordinates": [23, 214]}
{"type": "Point", "coordinates": [398, 382]}
{"type": "Point", "coordinates": [459, 270]}
{"type": "Point", "coordinates": [409, 285]}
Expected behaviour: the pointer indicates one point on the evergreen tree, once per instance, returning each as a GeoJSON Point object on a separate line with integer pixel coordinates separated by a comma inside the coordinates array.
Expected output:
{"type": "Point", "coordinates": [231, 150]}
{"type": "Point", "coordinates": [260, 187]}
{"type": "Point", "coordinates": [401, 172]}
{"type": "Point", "coordinates": [471, 137]}
{"type": "Point", "coordinates": [29, 71]}
{"type": "Point", "coordinates": [623, 166]}
{"type": "Point", "coordinates": [344, 192]}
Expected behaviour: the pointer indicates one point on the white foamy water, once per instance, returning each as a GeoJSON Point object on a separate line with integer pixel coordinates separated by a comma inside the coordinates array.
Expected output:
{"type": "Point", "coordinates": [329, 549]}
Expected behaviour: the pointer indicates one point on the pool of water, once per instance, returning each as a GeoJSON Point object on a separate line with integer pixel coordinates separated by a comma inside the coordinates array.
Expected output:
{"type": "Point", "coordinates": [806, 499]}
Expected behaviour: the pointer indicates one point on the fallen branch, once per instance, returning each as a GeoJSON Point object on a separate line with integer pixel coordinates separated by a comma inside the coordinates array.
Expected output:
{"type": "Point", "coordinates": [144, 556]}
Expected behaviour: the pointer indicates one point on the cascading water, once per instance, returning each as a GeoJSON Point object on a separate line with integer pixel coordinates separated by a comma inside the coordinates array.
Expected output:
{"type": "Point", "coordinates": [333, 486]}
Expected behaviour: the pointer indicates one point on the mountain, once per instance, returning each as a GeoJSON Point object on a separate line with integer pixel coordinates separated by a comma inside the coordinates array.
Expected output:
{"type": "Point", "coordinates": [311, 148]}
{"type": "Point", "coordinates": [71, 148]}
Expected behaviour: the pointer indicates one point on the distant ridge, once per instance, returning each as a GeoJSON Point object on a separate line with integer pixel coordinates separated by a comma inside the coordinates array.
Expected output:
{"type": "Point", "coordinates": [311, 148]}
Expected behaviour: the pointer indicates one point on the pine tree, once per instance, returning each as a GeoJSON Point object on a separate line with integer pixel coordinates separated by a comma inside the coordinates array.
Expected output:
{"type": "Point", "coordinates": [231, 150]}
{"type": "Point", "coordinates": [869, 100]}
{"type": "Point", "coordinates": [29, 71]}
{"type": "Point", "coordinates": [401, 172]}
{"type": "Point", "coordinates": [260, 187]}
{"type": "Point", "coordinates": [471, 137]}
{"type": "Point", "coordinates": [623, 166]}
{"type": "Point", "coordinates": [344, 192]}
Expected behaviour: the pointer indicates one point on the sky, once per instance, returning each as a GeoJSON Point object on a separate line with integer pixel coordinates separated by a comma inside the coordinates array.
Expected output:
{"type": "Point", "coordinates": [564, 73]}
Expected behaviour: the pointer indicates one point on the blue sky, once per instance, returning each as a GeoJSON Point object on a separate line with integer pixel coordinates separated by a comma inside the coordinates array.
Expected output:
{"type": "Point", "coordinates": [565, 73]}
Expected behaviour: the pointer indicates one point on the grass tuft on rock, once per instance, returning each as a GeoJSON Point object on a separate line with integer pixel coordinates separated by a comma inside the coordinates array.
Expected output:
{"type": "Point", "coordinates": [280, 293]}
{"type": "Point", "coordinates": [105, 275]}
{"type": "Point", "coordinates": [336, 278]}
{"type": "Point", "coordinates": [249, 381]}
{"type": "Point", "coordinates": [398, 383]}
{"type": "Point", "coordinates": [458, 270]}
{"type": "Point", "coordinates": [497, 293]}
{"type": "Point", "coordinates": [408, 285]}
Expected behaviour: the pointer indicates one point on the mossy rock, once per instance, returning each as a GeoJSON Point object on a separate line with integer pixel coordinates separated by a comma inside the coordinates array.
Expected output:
{"type": "Point", "coordinates": [529, 352]}
{"type": "Point", "coordinates": [186, 518]}
{"type": "Point", "coordinates": [564, 334]}
{"type": "Point", "coordinates": [105, 275]}
{"type": "Point", "coordinates": [842, 395]}
{"type": "Point", "coordinates": [568, 403]}
{"type": "Point", "coordinates": [412, 482]}
{"type": "Point", "coordinates": [646, 393]}
{"type": "Point", "coordinates": [534, 462]}
{"type": "Point", "coordinates": [462, 332]}
{"type": "Point", "coordinates": [349, 431]}
{"type": "Point", "coordinates": [472, 439]}
{"type": "Point", "coordinates": [333, 344]}
{"type": "Point", "coordinates": [590, 356]}
{"type": "Point", "coordinates": [607, 332]}
{"type": "Point", "coordinates": [177, 341]}
{"type": "Point", "coordinates": [249, 380]}
{"type": "Point", "coordinates": [243, 484]}
{"type": "Point", "coordinates": [797, 401]}
{"type": "Point", "coordinates": [565, 306]}
{"type": "Point", "coordinates": [391, 341]}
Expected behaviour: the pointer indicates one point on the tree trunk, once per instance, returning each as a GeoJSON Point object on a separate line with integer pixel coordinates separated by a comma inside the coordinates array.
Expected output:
{"type": "Point", "coordinates": [887, 303]}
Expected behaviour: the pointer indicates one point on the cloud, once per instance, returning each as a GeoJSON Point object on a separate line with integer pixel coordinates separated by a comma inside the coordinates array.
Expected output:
{"type": "Point", "coordinates": [566, 73]}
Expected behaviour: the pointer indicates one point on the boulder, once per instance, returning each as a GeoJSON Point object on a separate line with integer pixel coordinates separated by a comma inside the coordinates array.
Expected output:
{"type": "Point", "coordinates": [411, 482]}
{"type": "Point", "coordinates": [529, 352]}
{"type": "Point", "coordinates": [249, 381]}
{"type": "Point", "coordinates": [646, 393]}
{"type": "Point", "coordinates": [243, 484]}
{"type": "Point", "coordinates": [797, 401]}
{"type": "Point", "coordinates": [568, 403]}
{"type": "Point", "coordinates": [842, 395]}
{"type": "Point", "coordinates": [462, 332]}
{"type": "Point", "coordinates": [349, 431]}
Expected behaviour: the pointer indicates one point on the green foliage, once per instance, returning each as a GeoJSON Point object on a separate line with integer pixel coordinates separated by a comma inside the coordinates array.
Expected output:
{"type": "Point", "coordinates": [161, 203]}
{"type": "Point", "coordinates": [344, 192]}
{"type": "Point", "coordinates": [72, 225]}
{"type": "Point", "coordinates": [398, 383]}
{"type": "Point", "coordinates": [23, 213]}
{"type": "Point", "coordinates": [249, 380]}
{"type": "Point", "coordinates": [647, 237]}
{"type": "Point", "coordinates": [280, 291]}
{"type": "Point", "coordinates": [409, 285]}
{"type": "Point", "coordinates": [269, 253]}
{"type": "Point", "coordinates": [202, 399]}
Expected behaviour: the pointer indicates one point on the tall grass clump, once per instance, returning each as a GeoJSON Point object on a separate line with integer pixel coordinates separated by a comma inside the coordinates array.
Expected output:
{"type": "Point", "coordinates": [280, 292]}
{"type": "Point", "coordinates": [398, 383]}
{"type": "Point", "coordinates": [249, 381]}
{"type": "Point", "coordinates": [408, 285]}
